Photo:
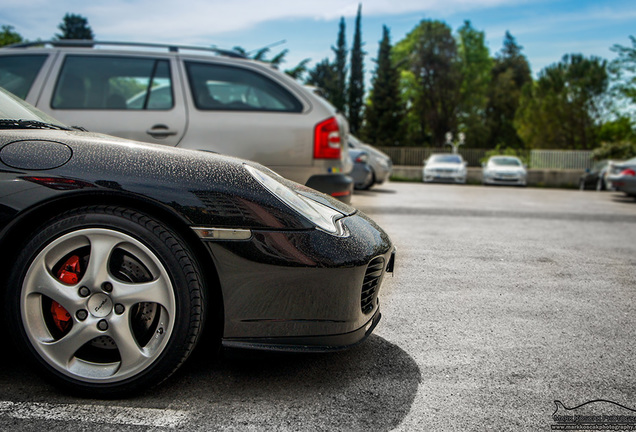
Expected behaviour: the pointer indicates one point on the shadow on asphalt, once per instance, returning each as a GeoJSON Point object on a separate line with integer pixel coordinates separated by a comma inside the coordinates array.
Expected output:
{"type": "Point", "coordinates": [373, 191]}
{"type": "Point", "coordinates": [371, 386]}
{"type": "Point", "coordinates": [622, 198]}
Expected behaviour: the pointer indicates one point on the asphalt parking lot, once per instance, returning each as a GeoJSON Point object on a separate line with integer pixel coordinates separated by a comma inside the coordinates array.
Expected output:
{"type": "Point", "coordinates": [504, 300]}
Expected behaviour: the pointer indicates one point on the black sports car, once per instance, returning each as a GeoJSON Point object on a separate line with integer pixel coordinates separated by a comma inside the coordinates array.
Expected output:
{"type": "Point", "coordinates": [118, 254]}
{"type": "Point", "coordinates": [594, 178]}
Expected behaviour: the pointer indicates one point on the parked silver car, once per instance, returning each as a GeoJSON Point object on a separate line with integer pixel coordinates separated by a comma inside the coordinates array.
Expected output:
{"type": "Point", "coordinates": [504, 170]}
{"type": "Point", "coordinates": [380, 163]}
{"type": "Point", "coordinates": [188, 97]}
{"type": "Point", "coordinates": [362, 173]}
{"type": "Point", "coordinates": [623, 177]}
{"type": "Point", "coordinates": [444, 167]}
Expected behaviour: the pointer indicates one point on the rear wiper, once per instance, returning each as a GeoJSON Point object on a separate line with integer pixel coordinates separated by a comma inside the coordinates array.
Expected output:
{"type": "Point", "coordinates": [29, 124]}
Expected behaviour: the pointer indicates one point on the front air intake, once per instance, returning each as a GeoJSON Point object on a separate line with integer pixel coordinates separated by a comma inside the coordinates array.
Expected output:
{"type": "Point", "coordinates": [371, 284]}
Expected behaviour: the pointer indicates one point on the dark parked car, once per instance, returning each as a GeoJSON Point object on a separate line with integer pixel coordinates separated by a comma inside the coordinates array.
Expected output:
{"type": "Point", "coordinates": [123, 252]}
{"type": "Point", "coordinates": [595, 178]}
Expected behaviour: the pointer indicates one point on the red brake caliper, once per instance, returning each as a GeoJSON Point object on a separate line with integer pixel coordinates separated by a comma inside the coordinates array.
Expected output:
{"type": "Point", "coordinates": [69, 274]}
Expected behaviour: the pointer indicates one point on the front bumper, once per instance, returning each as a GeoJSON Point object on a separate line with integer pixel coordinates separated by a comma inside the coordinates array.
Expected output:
{"type": "Point", "coordinates": [504, 180]}
{"type": "Point", "coordinates": [302, 290]}
{"type": "Point", "coordinates": [443, 177]}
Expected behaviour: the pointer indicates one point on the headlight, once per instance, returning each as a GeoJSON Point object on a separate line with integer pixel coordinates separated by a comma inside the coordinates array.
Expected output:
{"type": "Point", "coordinates": [320, 215]}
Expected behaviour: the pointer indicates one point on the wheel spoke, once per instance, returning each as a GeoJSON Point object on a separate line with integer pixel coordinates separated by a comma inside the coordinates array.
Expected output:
{"type": "Point", "coordinates": [101, 249]}
{"type": "Point", "coordinates": [156, 291]}
{"type": "Point", "coordinates": [132, 355]}
{"type": "Point", "coordinates": [62, 351]}
{"type": "Point", "coordinates": [40, 281]}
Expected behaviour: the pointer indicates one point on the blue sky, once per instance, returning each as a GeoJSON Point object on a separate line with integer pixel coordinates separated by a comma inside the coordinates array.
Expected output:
{"type": "Point", "coordinates": [546, 29]}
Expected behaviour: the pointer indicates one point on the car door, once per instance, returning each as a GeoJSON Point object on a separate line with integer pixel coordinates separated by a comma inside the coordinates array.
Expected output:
{"type": "Point", "coordinates": [130, 96]}
{"type": "Point", "coordinates": [243, 111]}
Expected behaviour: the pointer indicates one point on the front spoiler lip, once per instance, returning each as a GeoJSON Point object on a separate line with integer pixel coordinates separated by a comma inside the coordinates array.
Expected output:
{"type": "Point", "coordinates": [328, 343]}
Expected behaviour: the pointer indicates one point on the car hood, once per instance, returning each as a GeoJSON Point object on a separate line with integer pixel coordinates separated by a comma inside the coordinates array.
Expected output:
{"type": "Point", "coordinates": [206, 188]}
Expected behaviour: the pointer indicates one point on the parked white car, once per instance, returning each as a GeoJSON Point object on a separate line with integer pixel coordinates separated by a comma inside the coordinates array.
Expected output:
{"type": "Point", "coordinates": [504, 170]}
{"type": "Point", "coordinates": [444, 167]}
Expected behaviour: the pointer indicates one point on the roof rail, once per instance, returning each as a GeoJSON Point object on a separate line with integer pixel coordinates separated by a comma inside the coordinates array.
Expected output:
{"type": "Point", "coordinates": [87, 43]}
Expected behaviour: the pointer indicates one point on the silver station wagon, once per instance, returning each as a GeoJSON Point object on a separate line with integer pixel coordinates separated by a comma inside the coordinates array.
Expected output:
{"type": "Point", "coordinates": [188, 97]}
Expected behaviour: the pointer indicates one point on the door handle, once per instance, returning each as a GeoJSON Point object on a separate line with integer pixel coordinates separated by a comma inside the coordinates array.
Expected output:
{"type": "Point", "coordinates": [161, 131]}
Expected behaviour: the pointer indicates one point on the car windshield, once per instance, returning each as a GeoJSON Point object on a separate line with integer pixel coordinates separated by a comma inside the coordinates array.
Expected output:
{"type": "Point", "coordinates": [17, 114]}
{"type": "Point", "coordinates": [506, 161]}
{"type": "Point", "coordinates": [446, 159]}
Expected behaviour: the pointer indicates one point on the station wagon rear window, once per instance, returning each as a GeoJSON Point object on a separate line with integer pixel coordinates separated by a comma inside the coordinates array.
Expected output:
{"type": "Point", "coordinates": [227, 88]}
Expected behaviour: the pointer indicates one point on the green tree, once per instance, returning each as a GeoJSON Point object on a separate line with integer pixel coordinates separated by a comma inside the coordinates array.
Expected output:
{"type": "Point", "coordinates": [430, 81]}
{"type": "Point", "coordinates": [261, 55]}
{"type": "Point", "coordinates": [615, 150]}
{"type": "Point", "coordinates": [74, 27]}
{"type": "Point", "coordinates": [338, 93]}
{"type": "Point", "coordinates": [299, 70]}
{"type": "Point", "coordinates": [356, 78]}
{"type": "Point", "coordinates": [476, 66]}
{"type": "Point", "coordinates": [8, 36]}
{"type": "Point", "coordinates": [561, 110]}
{"type": "Point", "coordinates": [623, 72]}
{"type": "Point", "coordinates": [510, 73]}
{"type": "Point", "coordinates": [324, 75]}
{"type": "Point", "coordinates": [619, 129]}
{"type": "Point", "coordinates": [384, 111]}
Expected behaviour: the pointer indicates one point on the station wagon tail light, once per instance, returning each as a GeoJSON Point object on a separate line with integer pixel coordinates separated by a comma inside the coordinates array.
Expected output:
{"type": "Point", "coordinates": [628, 172]}
{"type": "Point", "coordinates": [327, 139]}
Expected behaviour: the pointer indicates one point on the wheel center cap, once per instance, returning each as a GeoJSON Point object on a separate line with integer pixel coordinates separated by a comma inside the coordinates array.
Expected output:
{"type": "Point", "coordinates": [100, 305]}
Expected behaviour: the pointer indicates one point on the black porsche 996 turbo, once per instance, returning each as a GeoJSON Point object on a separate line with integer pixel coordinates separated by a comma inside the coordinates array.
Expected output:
{"type": "Point", "coordinates": [117, 254]}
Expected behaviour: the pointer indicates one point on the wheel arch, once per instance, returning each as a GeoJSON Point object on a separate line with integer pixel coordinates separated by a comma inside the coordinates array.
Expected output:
{"type": "Point", "coordinates": [36, 216]}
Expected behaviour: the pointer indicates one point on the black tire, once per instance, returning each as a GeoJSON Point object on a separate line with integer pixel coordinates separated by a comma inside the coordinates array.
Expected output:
{"type": "Point", "coordinates": [600, 184]}
{"type": "Point", "coordinates": [367, 185]}
{"type": "Point", "coordinates": [131, 294]}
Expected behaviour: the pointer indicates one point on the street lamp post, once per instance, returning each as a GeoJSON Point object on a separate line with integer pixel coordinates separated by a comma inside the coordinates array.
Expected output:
{"type": "Point", "coordinates": [461, 137]}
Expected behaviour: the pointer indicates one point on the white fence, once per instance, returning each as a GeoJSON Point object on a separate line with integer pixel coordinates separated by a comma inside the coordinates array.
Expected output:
{"type": "Point", "coordinates": [560, 159]}
{"type": "Point", "coordinates": [539, 159]}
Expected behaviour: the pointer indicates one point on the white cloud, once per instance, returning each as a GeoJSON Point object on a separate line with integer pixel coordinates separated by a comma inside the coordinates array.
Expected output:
{"type": "Point", "coordinates": [192, 19]}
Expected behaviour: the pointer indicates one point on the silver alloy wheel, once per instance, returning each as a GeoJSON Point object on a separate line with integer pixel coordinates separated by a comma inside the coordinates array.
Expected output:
{"type": "Point", "coordinates": [111, 313]}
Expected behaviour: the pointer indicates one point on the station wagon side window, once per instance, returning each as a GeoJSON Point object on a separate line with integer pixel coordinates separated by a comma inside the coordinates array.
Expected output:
{"type": "Point", "coordinates": [109, 82]}
{"type": "Point", "coordinates": [17, 72]}
{"type": "Point", "coordinates": [228, 88]}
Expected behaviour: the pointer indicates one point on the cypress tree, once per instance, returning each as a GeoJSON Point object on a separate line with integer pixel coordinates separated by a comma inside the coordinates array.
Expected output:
{"type": "Point", "coordinates": [384, 112]}
{"type": "Point", "coordinates": [356, 79]}
{"type": "Point", "coordinates": [339, 92]}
